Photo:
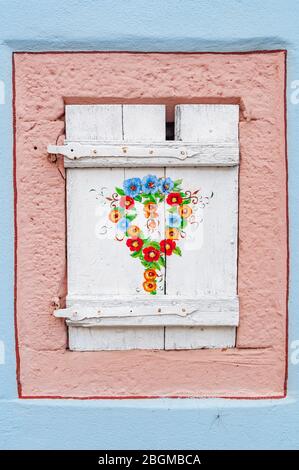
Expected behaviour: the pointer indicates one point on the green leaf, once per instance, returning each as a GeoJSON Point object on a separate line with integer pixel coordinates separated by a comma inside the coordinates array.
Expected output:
{"type": "Point", "coordinates": [146, 264]}
{"type": "Point", "coordinates": [154, 292]}
{"type": "Point", "coordinates": [120, 191]}
{"type": "Point", "coordinates": [155, 245]}
{"type": "Point", "coordinates": [131, 217]}
{"type": "Point", "coordinates": [138, 198]}
{"type": "Point", "coordinates": [184, 223]}
{"type": "Point", "coordinates": [155, 265]}
{"type": "Point", "coordinates": [172, 209]}
{"type": "Point", "coordinates": [162, 261]}
{"type": "Point", "coordinates": [152, 264]}
{"type": "Point", "coordinates": [136, 254]}
{"type": "Point", "coordinates": [177, 251]}
{"type": "Point", "coordinates": [146, 242]}
{"type": "Point", "coordinates": [186, 201]}
{"type": "Point", "coordinates": [178, 182]}
{"type": "Point", "coordinates": [152, 198]}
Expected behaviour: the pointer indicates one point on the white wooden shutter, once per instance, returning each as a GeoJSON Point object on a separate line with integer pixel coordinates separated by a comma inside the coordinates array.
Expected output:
{"type": "Point", "coordinates": [197, 304]}
{"type": "Point", "coordinates": [209, 263]}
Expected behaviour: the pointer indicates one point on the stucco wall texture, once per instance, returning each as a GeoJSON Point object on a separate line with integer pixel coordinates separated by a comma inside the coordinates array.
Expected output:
{"type": "Point", "coordinates": [43, 83]}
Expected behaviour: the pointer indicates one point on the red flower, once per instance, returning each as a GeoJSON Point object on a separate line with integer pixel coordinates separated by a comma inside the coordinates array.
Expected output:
{"type": "Point", "coordinates": [135, 244]}
{"type": "Point", "coordinates": [174, 199]}
{"type": "Point", "coordinates": [151, 254]}
{"type": "Point", "coordinates": [167, 246]}
{"type": "Point", "coordinates": [127, 202]}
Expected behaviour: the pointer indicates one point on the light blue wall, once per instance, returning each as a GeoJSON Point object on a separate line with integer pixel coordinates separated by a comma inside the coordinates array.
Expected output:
{"type": "Point", "coordinates": [157, 25]}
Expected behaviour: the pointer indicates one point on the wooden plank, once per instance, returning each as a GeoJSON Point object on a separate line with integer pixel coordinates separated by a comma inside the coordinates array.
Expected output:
{"type": "Point", "coordinates": [96, 262]}
{"type": "Point", "coordinates": [199, 337]}
{"type": "Point", "coordinates": [208, 265]}
{"type": "Point", "coordinates": [144, 123]}
{"type": "Point", "coordinates": [162, 310]}
{"type": "Point", "coordinates": [206, 123]}
{"type": "Point", "coordinates": [99, 339]}
{"type": "Point", "coordinates": [93, 122]}
{"type": "Point", "coordinates": [116, 154]}
{"type": "Point", "coordinates": [91, 244]}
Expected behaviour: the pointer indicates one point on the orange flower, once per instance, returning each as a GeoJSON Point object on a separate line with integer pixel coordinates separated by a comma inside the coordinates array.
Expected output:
{"type": "Point", "coordinates": [185, 211]}
{"type": "Point", "coordinates": [150, 210]}
{"type": "Point", "coordinates": [151, 224]}
{"type": "Point", "coordinates": [149, 286]}
{"type": "Point", "coordinates": [134, 231]}
{"type": "Point", "coordinates": [150, 274]}
{"type": "Point", "coordinates": [150, 206]}
{"type": "Point", "coordinates": [172, 233]}
{"type": "Point", "coordinates": [115, 216]}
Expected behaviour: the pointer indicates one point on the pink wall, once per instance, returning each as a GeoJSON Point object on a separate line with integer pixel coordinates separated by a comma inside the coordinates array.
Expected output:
{"type": "Point", "coordinates": [43, 84]}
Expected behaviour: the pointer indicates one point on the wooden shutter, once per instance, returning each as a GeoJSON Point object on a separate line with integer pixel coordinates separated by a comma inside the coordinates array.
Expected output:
{"type": "Point", "coordinates": [197, 305]}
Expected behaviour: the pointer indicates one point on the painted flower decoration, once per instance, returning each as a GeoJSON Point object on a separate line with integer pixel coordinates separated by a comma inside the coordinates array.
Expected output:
{"type": "Point", "coordinates": [115, 215]}
{"type": "Point", "coordinates": [133, 231]}
{"type": "Point", "coordinates": [174, 220]}
{"type": "Point", "coordinates": [150, 184]}
{"type": "Point", "coordinates": [150, 286]}
{"type": "Point", "coordinates": [174, 199]}
{"type": "Point", "coordinates": [166, 185]}
{"type": "Point", "coordinates": [132, 187]}
{"type": "Point", "coordinates": [185, 211]}
{"type": "Point", "coordinates": [135, 244]}
{"type": "Point", "coordinates": [151, 254]}
{"type": "Point", "coordinates": [150, 274]}
{"type": "Point", "coordinates": [127, 202]}
{"type": "Point", "coordinates": [172, 233]}
{"type": "Point", "coordinates": [123, 224]}
{"type": "Point", "coordinates": [150, 210]}
{"type": "Point", "coordinates": [168, 246]}
{"type": "Point", "coordinates": [142, 197]}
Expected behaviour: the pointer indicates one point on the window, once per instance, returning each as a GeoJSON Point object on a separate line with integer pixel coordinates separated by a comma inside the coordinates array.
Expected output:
{"type": "Point", "coordinates": [151, 227]}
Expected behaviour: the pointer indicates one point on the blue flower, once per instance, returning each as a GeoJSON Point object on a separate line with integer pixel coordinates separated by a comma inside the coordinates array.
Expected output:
{"type": "Point", "coordinates": [150, 184]}
{"type": "Point", "coordinates": [166, 185]}
{"type": "Point", "coordinates": [174, 220]}
{"type": "Point", "coordinates": [123, 224]}
{"type": "Point", "coordinates": [132, 186]}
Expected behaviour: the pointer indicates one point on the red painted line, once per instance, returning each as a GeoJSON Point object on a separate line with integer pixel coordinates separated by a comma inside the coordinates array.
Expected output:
{"type": "Point", "coordinates": [15, 190]}
{"type": "Point", "coordinates": [287, 221]}
{"type": "Point", "coordinates": [258, 51]}
{"type": "Point", "coordinates": [17, 349]}
{"type": "Point", "coordinates": [151, 397]}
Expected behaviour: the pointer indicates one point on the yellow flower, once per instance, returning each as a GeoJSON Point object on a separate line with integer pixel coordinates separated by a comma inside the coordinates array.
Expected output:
{"type": "Point", "coordinates": [185, 211]}
{"type": "Point", "coordinates": [172, 233]}
{"type": "Point", "coordinates": [115, 216]}
{"type": "Point", "coordinates": [134, 231]}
